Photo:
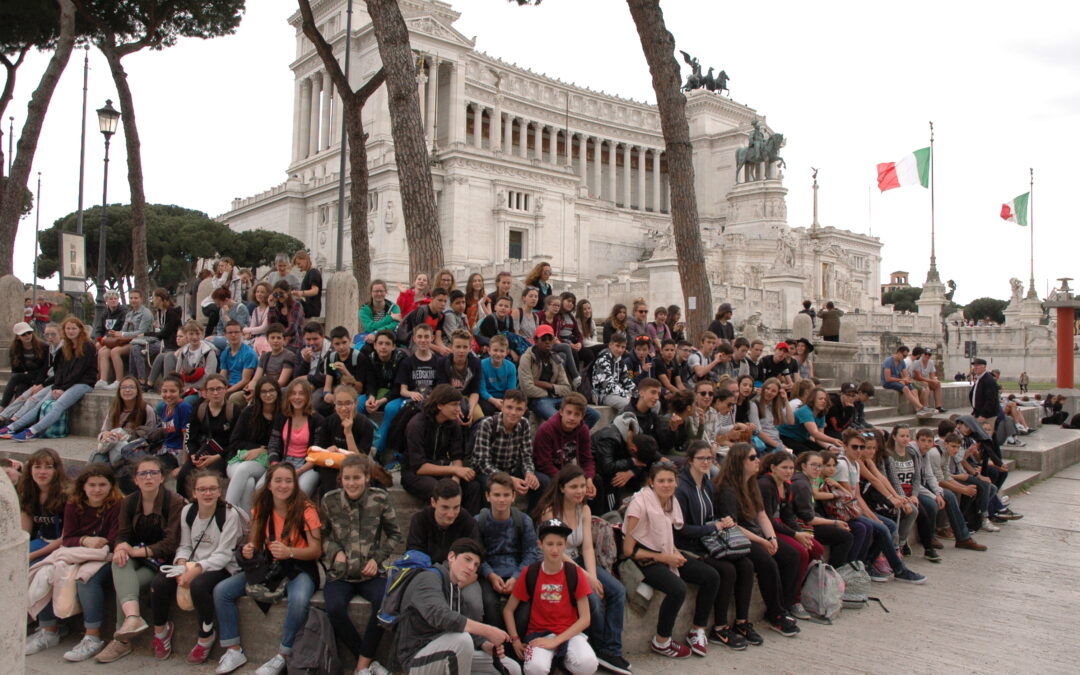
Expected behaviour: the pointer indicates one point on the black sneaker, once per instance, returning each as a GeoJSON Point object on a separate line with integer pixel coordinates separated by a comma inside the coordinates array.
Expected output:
{"type": "Point", "coordinates": [784, 625]}
{"type": "Point", "coordinates": [746, 630]}
{"type": "Point", "coordinates": [905, 549]}
{"type": "Point", "coordinates": [1008, 514]}
{"type": "Point", "coordinates": [998, 519]}
{"type": "Point", "coordinates": [729, 637]}
{"type": "Point", "coordinates": [932, 555]}
{"type": "Point", "coordinates": [613, 663]}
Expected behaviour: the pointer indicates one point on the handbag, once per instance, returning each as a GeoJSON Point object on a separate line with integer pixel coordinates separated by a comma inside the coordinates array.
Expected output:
{"type": "Point", "coordinates": [729, 544]}
{"type": "Point", "coordinates": [844, 507]}
{"type": "Point", "coordinates": [117, 341]}
{"type": "Point", "coordinates": [265, 575]}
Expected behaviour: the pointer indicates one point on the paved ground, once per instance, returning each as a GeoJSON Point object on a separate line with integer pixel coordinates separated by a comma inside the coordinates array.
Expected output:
{"type": "Point", "coordinates": [1011, 609]}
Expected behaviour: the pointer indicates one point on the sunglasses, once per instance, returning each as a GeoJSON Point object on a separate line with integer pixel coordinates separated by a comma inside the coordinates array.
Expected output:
{"type": "Point", "coordinates": [752, 457]}
{"type": "Point", "coordinates": [859, 446]}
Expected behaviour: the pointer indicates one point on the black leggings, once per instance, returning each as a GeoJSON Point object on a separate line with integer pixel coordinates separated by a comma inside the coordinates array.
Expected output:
{"type": "Point", "coordinates": [163, 590]}
{"type": "Point", "coordinates": [777, 575]}
{"type": "Point", "coordinates": [736, 577]}
{"type": "Point", "coordinates": [838, 540]}
{"type": "Point", "coordinates": [673, 586]}
{"type": "Point", "coordinates": [337, 594]}
{"type": "Point", "coordinates": [797, 445]}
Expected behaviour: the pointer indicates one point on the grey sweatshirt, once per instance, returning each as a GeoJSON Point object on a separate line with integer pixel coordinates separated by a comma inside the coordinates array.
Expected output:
{"type": "Point", "coordinates": [432, 606]}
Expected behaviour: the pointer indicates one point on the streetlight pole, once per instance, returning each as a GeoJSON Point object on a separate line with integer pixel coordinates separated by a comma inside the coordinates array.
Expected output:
{"type": "Point", "coordinates": [37, 226]}
{"type": "Point", "coordinates": [107, 120]}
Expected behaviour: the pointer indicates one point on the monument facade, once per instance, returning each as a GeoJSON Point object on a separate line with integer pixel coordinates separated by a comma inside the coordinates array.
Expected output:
{"type": "Point", "coordinates": [527, 167]}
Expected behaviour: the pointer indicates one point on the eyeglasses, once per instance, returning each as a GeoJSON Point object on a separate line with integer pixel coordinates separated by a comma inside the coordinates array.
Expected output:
{"type": "Point", "coordinates": [129, 387]}
{"type": "Point", "coordinates": [752, 458]}
{"type": "Point", "coordinates": [641, 311]}
{"type": "Point", "coordinates": [215, 389]}
{"type": "Point", "coordinates": [705, 393]}
{"type": "Point", "coordinates": [208, 490]}
{"type": "Point", "coordinates": [703, 458]}
{"type": "Point", "coordinates": [814, 466]}
{"type": "Point", "coordinates": [149, 473]}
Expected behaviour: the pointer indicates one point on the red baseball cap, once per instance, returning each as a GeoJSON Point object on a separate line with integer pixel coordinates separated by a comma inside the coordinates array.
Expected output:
{"type": "Point", "coordinates": [782, 345]}
{"type": "Point", "coordinates": [544, 330]}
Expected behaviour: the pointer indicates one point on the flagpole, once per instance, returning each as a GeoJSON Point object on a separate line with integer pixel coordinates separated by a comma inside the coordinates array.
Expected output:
{"type": "Point", "coordinates": [1031, 228]}
{"type": "Point", "coordinates": [932, 275]}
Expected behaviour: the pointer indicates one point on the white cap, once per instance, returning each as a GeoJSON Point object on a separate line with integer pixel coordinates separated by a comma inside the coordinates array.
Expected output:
{"type": "Point", "coordinates": [22, 328]}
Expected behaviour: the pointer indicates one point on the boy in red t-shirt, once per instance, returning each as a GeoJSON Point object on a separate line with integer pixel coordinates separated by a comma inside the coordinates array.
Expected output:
{"type": "Point", "coordinates": [556, 622]}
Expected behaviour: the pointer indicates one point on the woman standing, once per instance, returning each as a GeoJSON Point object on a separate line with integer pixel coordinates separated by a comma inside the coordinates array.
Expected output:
{"type": "Point", "coordinates": [210, 531]}
{"type": "Point", "coordinates": [147, 351]}
{"type": "Point", "coordinates": [74, 374]}
{"type": "Point", "coordinates": [651, 520]}
{"type": "Point", "coordinates": [285, 529]}
{"type": "Point", "coordinates": [360, 534]}
{"type": "Point", "coordinates": [43, 495]}
{"type": "Point", "coordinates": [309, 295]}
{"type": "Point", "coordinates": [695, 495]}
{"type": "Point", "coordinates": [295, 430]}
{"type": "Point", "coordinates": [250, 436]}
{"type": "Point", "coordinates": [565, 499]}
{"type": "Point", "coordinates": [776, 563]}
{"type": "Point", "coordinates": [148, 536]}
{"type": "Point", "coordinates": [91, 520]}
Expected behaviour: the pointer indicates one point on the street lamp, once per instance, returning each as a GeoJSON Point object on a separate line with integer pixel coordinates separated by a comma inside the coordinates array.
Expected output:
{"type": "Point", "coordinates": [108, 117]}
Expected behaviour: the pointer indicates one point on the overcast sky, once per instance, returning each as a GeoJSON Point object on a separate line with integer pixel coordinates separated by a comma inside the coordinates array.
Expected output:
{"type": "Point", "coordinates": [850, 84]}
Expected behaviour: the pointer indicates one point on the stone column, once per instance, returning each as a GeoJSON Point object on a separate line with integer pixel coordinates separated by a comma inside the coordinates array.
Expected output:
{"type": "Point", "coordinates": [313, 129]}
{"type": "Point", "coordinates": [421, 90]}
{"type": "Point", "coordinates": [478, 125]}
{"type": "Point", "coordinates": [508, 135]}
{"type": "Point", "coordinates": [297, 93]}
{"type": "Point", "coordinates": [432, 100]}
{"type": "Point", "coordinates": [457, 103]}
{"type": "Point", "coordinates": [641, 178]}
{"type": "Point", "coordinates": [305, 120]}
{"type": "Point", "coordinates": [324, 125]}
{"type": "Point", "coordinates": [538, 144]}
{"type": "Point", "coordinates": [583, 152]}
{"type": "Point", "coordinates": [656, 181]}
{"type": "Point", "coordinates": [626, 174]}
{"type": "Point", "coordinates": [342, 299]}
{"type": "Point", "coordinates": [612, 173]}
{"type": "Point", "coordinates": [495, 126]}
{"type": "Point", "coordinates": [523, 134]}
{"type": "Point", "coordinates": [598, 167]}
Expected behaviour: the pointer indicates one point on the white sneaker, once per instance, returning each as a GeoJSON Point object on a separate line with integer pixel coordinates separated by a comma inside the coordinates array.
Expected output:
{"type": "Point", "coordinates": [41, 640]}
{"type": "Point", "coordinates": [989, 527]}
{"type": "Point", "coordinates": [375, 668]}
{"type": "Point", "coordinates": [799, 612]}
{"type": "Point", "coordinates": [101, 384]}
{"type": "Point", "coordinates": [115, 384]}
{"type": "Point", "coordinates": [87, 647]}
{"type": "Point", "coordinates": [230, 661]}
{"type": "Point", "coordinates": [272, 667]}
{"type": "Point", "coordinates": [1004, 499]}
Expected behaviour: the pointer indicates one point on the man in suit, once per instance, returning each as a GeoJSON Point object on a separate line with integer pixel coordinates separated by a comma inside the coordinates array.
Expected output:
{"type": "Point", "coordinates": [985, 393]}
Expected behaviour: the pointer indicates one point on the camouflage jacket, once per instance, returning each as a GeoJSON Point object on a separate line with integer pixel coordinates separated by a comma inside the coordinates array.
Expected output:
{"type": "Point", "coordinates": [364, 530]}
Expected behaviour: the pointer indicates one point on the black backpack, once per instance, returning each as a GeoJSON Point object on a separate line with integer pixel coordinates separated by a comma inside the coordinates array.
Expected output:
{"type": "Point", "coordinates": [586, 388]}
{"type": "Point", "coordinates": [532, 573]}
{"type": "Point", "coordinates": [395, 435]}
{"type": "Point", "coordinates": [315, 651]}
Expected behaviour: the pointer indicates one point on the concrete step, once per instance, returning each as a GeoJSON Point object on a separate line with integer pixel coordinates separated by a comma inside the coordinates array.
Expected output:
{"type": "Point", "coordinates": [1019, 480]}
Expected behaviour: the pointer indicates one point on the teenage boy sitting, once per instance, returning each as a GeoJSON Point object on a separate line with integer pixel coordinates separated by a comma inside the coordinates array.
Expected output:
{"type": "Point", "coordinates": [611, 381]}
{"type": "Point", "coordinates": [863, 394]}
{"type": "Point", "coordinates": [895, 376]}
{"type": "Point", "coordinates": [542, 377]}
{"type": "Point", "coordinates": [643, 407]}
{"type": "Point", "coordinates": [503, 444]}
{"type": "Point", "coordinates": [683, 350]}
{"type": "Point", "coordinates": [623, 457]}
{"type": "Point", "coordinates": [638, 361]}
{"type": "Point", "coordinates": [841, 410]}
{"type": "Point", "coordinates": [954, 493]}
{"type": "Point", "coordinates": [510, 539]}
{"type": "Point", "coordinates": [454, 318]}
{"type": "Point", "coordinates": [440, 523]}
{"type": "Point", "coordinates": [924, 371]}
{"type": "Point", "coordinates": [781, 366]}
{"type": "Point", "coordinates": [558, 614]}
{"type": "Point", "coordinates": [702, 361]}
{"type": "Point", "coordinates": [342, 365]}
{"type": "Point", "coordinates": [430, 315]}
{"type": "Point", "coordinates": [238, 360]}
{"type": "Point", "coordinates": [311, 362]}
{"type": "Point", "coordinates": [439, 628]}
{"type": "Point", "coordinates": [497, 375]}
{"type": "Point", "coordinates": [461, 370]}
{"type": "Point", "coordinates": [666, 369]}
{"type": "Point", "coordinates": [278, 363]}
{"type": "Point", "coordinates": [562, 439]}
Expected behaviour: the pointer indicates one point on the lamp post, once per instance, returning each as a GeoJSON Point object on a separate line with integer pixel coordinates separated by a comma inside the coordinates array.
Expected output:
{"type": "Point", "coordinates": [107, 120]}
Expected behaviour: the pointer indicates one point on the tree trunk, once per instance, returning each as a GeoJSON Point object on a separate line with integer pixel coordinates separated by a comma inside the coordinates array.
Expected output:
{"type": "Point", "coordinates": [358, 191]}
{"type": "Point", "coordinates": [659, 48]}
{"type": "Point", "coordinates": [10, 69]}
{"type": "Point", "coordinates": [11, 202]}
{"type": "Point", "coordinates": [139, 263]}
{"type": "Point", "coordinates": [410, 146]}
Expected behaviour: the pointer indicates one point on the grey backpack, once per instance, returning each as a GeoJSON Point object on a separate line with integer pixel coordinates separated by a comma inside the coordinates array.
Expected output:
{"type": "Point", "coordinates": [856, 584]}
{"type": "Point", "coordinates": [823, 590]}
{"type": "Point", "coordinates": [315, 651]}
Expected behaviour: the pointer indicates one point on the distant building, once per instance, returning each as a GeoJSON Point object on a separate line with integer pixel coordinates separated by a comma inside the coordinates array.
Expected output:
{"type": "Point", "coordinates": [897, 280]}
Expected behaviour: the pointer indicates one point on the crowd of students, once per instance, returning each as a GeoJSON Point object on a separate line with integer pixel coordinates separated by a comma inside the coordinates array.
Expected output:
{"type": "Point", "coordinates": [281, 474]}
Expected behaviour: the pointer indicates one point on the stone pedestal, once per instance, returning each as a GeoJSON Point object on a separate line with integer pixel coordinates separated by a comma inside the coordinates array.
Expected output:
{"type": "Point", "coordinates": [802, 326]}
{"type": "Point", "coordinates": [664, 281]}
{"type": "Point", "coordinates": [757, 206]}
{"type": "Point", "coordinates": [12, 293]}
{"type": "Point", "coordinates": [342, 302]}
{"type": "Point", "coordinates": [1031, 311]}
{"type": "Point", "coordinates": [13, 552]}
{"type": "Point", "coordinates": [790, 287]}
{"type": "Point", "coordinates": [932, 300]}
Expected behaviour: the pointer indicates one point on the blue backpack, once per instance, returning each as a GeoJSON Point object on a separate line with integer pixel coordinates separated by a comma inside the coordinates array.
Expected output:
{"type": "Point", "coordinates": [399, 575]}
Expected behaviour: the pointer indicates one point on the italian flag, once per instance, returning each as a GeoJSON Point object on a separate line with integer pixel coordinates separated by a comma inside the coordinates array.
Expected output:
{"type": "Point", "coordinates": [1016, 211]}
{"type": "Point", "coordinates": [911, 169]}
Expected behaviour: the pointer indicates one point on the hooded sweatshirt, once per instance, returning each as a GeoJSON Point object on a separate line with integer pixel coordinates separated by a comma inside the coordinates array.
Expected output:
{"type": "Point", "coordinates": [431, 606]}
{"type": "Point", "coordinates": [696, 502]}
{"type": "Point", "coordinates": [554, 448]}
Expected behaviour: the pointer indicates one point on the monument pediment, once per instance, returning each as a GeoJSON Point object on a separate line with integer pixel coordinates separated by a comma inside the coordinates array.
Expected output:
{"type": "Point", "coordinates": [427, 25]}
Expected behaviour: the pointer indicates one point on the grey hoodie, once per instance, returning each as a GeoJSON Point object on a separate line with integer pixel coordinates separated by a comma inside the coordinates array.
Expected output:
{"type": "Point", "coordinates": [432, 606]}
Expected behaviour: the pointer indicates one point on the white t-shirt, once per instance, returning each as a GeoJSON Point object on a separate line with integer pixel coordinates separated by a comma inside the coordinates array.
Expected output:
{"type": "Point", "coordinates": [847, 471]}
{"type": "Point", "coordinates": [925, 370]}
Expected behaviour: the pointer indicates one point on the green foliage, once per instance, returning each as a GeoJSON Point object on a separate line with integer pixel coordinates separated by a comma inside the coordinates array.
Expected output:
{"type": "Point", "coordinates": [160, 23]}
{"type": "Point", "coordinates": [986, 308]}
{"type": "Point", "coordinates": [903, 299]}
{"type": "Point", "coordinates": [176, 239]}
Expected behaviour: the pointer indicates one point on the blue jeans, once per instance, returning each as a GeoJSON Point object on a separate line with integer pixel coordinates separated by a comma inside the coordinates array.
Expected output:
{"type": "Point", "coordinates": [21, 405]}
{"type": "Point", "coordinates": [70, 397]}
{"type": "Point", "coordinates": [393, 407]}
{"type": "Point", "coordinates": [607, 613]}
{"type": "Point", "coordinates": [549, 405]}
{"type": "Point", "coordinates": [882, 542]}
{"type": "Point", "coordinates": [299, 591]}
{"type": "Point", "coordinates": [956, 516]}
{"type": "Point", "coordinates": [92, 597]}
